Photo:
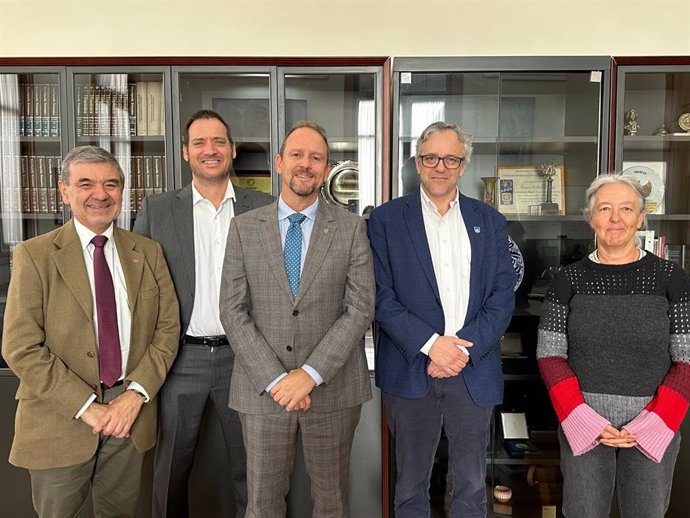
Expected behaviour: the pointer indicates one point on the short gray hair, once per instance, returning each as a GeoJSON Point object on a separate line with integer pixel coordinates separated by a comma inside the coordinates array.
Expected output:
{"type": "Point", "coordinates": [88, 155]}
{"type": "Point", "coordinates": [610, 179]}
{"type": "Point", "coordinates": [465, 137]}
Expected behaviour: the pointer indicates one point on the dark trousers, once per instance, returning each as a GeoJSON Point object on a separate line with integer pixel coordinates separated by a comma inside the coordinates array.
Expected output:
{"type": "Point", "coordinates": [112, 475]}
{"type": "Point", "coordinates": [642, 486]}
{"type": "Point", "coordinates": [199, 374]}
{"type": "Point", "coordinates": [416, 427]}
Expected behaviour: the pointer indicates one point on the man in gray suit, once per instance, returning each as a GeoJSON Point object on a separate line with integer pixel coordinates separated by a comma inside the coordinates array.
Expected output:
{"type": "Point", "coordinates": [191, 224]}
{"type": "Point", "coordinates": [297, 296]}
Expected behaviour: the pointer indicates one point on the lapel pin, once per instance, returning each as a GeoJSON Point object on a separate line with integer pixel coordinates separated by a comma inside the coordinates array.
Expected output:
{"type": "Point", "coordinates": [477, 230]}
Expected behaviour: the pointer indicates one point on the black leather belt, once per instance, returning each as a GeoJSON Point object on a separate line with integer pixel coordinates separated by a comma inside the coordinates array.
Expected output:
{"type": "Point", "coordinates": [210, 341]}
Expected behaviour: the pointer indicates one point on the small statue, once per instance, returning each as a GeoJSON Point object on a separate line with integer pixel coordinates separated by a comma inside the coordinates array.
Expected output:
{"type": "Point", "coordinates": [631, 125]}
{"type": "Point", "coordinates": [549, 207]}
{"type": "Point", "coordinates": [663, 130]}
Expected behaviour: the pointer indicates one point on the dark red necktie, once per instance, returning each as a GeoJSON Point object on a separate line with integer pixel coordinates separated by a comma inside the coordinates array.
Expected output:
{"type": "Point", "coordinates": [109, 355]}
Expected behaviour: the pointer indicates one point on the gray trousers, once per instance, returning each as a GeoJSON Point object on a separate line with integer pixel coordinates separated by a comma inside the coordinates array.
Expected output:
{"type": "Point", "coordinates": [112, 475]}
{"type": "Point", "coordinates": [642, 486]}
{"type": "Point", "coordinates": [199, 375]}
{"type": "Point", "coordinates": [326, 443]}
{"type": "Point", "coordinates": [416, 427]}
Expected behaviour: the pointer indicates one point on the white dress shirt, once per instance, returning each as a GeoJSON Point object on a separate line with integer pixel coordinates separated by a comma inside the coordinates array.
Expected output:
{"type": "Point", "coordinates": [124, 315]}
{"type": "Point", "coordinates": [451, 255]}
{"type": "Point", "coordinates": [211, 228]}
{"type": "Point", "coordinates": [307, 226]}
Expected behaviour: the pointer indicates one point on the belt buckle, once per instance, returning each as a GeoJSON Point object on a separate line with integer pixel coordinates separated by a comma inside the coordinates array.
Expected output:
{"type": "Point", "coordinates": [211, 341]}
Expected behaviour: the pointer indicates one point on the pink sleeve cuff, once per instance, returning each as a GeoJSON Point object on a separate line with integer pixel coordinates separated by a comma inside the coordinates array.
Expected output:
{"type": "Point", "coordinates": [582, 428]}
{"type": "Point", "coordinates": [651, 434]}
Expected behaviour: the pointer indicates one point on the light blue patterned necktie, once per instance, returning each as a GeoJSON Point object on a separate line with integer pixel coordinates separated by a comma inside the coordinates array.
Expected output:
{"type": "Point", "coordinates": [293, 251]}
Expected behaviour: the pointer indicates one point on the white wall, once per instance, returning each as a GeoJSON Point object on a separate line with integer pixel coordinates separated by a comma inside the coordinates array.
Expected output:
{"type": "Point", "coordinates": [47, 28]}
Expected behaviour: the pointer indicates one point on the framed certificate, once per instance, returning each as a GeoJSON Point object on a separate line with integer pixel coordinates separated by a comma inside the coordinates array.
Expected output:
{"type": "Point", "coordinates": [522, 189]}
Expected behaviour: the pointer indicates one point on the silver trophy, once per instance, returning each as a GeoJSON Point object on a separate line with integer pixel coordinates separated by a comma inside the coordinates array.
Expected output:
{"type": "Point", "coordinates": [548, 171]}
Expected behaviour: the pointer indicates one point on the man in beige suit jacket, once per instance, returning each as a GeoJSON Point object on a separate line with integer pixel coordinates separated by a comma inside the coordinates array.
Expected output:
{"type": "Point", "coordinates": [74, 432]}
{"type": "Point", "coordinates": [299, 347]}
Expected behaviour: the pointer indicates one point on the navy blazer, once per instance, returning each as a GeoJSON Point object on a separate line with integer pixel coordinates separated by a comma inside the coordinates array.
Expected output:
{"type": "Point", "coordinates": [408, 306]}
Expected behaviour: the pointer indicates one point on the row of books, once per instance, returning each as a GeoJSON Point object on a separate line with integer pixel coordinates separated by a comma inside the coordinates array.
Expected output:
{"type": "Point", "coordinates": [659, 247]}
{"type": "Point", "coordinates": [31, 182]}
{"type": "Point", "coordinates": [135, 109]}
{"type": "Point", "coordinates": [39, 110]}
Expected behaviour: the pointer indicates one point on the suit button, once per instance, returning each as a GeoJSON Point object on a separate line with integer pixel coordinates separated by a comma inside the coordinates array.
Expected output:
{"type": "Point", "coordinates": [91, 354]}
{"type": "Point", "coordinates": [289, 348]}
{"type": "Point", "coordinates": [295, 312]}
{"type": "Point", "coordinates": [95, 388]}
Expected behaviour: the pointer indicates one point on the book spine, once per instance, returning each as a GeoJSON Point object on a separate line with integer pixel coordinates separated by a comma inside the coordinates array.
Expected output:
{"type": "Point", "coordinates": [132, 108]}
{"type": "Point", "coordinates": [54, 111]}
{"type": "Point", "coordinates": [38, 116]}
{"type": "Point", "coordinates": [33, 185]}
{"type": "Point", "coordinates": [22, 110]}
{"type": "Point", "coordinates": [25, 183]}
{"type": "Point", "coordinates": [158, 174]}
{"type": "Point", "coordinates": [79, 110]}
{"type": "Point", "coordinates": [142, 108]}
{"type": "Point", "coordinates": [154, 99]}
{"type": "Point", "coordinates": [29, 116]}
{"type": "Point", "coordinates": [45, 110]}
{"type": "Point", "coordinates": [42, 184]}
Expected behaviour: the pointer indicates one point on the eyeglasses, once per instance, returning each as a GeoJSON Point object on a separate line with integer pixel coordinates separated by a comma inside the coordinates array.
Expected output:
{"type": "Point", "coordinates": [450, 161]}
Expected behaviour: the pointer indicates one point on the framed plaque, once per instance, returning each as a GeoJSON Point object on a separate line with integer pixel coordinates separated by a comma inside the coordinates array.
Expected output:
{"type": "Point", "coordinates": [652, 178]}
{"type": "Point", "coordinates": [522, 189]}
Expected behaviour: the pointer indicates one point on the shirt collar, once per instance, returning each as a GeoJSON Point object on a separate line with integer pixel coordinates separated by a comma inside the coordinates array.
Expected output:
{"type": "Point", "coordinates": [229, 194]}
{"type": "Point", "coordinates": [284, 211]}
{"type": "Point", "coordinates": [86, 235]}
{"type": "Point", "coordinates": [430, 206]}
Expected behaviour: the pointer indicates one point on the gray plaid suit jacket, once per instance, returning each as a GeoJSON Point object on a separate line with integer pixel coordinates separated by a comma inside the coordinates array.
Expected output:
{"type": "Point", "coordinates": [323, 327]}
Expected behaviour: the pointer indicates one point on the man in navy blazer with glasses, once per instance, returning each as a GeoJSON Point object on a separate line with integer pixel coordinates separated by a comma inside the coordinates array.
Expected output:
{"type": "Point", "coordinates": [444, 297]}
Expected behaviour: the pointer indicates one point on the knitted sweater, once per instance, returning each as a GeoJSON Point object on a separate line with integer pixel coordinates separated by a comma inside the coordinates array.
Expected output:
{"type": "Point", "coordinates": [614, 348]}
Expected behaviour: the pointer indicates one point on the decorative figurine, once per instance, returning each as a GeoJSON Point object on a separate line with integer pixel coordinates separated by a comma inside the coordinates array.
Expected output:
{"type": "Point", "coordinates": [489, 190]}
{"type": "Point", "coordinates": [549, 207]}
{"type": "Point", "coordinates": [663, 130]}
{"type": "Point", "coordinates": [631, 125]}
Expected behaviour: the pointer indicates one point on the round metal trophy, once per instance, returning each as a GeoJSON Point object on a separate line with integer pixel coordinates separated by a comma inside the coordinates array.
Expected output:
{"type": "Point", "coordinates": [342, 186]}
{"type": "Point", "coordinates": [549, 207]}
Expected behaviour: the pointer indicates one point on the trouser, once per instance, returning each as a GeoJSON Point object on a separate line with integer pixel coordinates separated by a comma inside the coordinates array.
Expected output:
{"type": "Point", "coordinates": [326, 441]}
{"type": "Point", "coordinates": [113, 476]}
{"type": "Point", "coordinates": [643, 487]}
{"type": "Point", "coordinates": [199, 375]}
{"type": "Point", "coordinates": [416, 427]}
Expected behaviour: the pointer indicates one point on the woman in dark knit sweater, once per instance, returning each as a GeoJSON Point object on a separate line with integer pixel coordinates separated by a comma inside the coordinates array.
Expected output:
{"type": "Point", "coordinates": [614, 352]}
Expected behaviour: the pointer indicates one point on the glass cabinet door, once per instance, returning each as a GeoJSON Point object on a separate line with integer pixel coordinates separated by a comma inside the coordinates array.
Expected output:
{"type": "Point", "coordinates": [124, 112]}
{"type": "Point", "coordinates": [30, 158]}
{"type": "Point", "coordinates": [243, 98]}
{"type": "Point", "coordinates": [653, 144]}
{"type": "Point", "coordinates": [347, 104]}
{"type": "Point", "coordinates": [538, 136]}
